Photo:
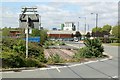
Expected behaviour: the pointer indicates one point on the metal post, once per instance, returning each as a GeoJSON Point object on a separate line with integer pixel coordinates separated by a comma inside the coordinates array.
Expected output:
{"type": "Point", "coordinates": [85, 25]}
{"type": "Point", "coordinates": [96, 20]}
{"type": "Point", "coordinates": [96, 23]}
{"type": "Point", "coordinates": [40, 23]}
{"type": "Point", "coordinates": [78, 25]}
{"type": "Point", "coordinates": [27, 38]}
{"type": "Point", "coordinates": [88, 27]}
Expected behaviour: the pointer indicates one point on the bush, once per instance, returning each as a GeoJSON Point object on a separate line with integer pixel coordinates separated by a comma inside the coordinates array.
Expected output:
{"type": "Point", "coordinates": [55, 59]}
{"type": "Point", "coordinates": [13, 53]}
{"type": "Point", "coordinates": [31, 62]}
{"type": "Point", "coordinates": [93, 49]}
{"type": "Point", "coordinates": [94, 44]}
{"type": "Point", "coordinates": [13, 61]}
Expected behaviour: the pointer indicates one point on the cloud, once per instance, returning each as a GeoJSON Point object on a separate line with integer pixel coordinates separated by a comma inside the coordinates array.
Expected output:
{"type": "Point", "coordinates": [55, 13]}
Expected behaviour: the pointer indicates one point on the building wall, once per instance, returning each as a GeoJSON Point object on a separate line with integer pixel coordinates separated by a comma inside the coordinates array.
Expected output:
{"type": "Point", "coordinates": [60, 35]}
{"type": "Point", "coordinates": [69, 26]}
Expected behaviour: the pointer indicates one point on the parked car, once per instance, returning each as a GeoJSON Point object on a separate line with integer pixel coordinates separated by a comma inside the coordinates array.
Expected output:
{"type": "Point", "coordinates": [76, 39]}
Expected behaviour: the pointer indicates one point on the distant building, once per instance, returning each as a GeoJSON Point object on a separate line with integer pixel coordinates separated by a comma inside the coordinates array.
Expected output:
{"type": "Point", "coordinates": [63, 34]}
{"type": "Point", "coordinates": [70, 26]}
{"type": "Point", "coordinates": [62, 26]}
{"type": "Point", "coordinates": [15, 33]}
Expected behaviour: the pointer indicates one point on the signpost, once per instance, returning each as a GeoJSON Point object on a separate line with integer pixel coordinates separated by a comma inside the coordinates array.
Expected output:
{"type": "Point", "coordinates": [29, 21]}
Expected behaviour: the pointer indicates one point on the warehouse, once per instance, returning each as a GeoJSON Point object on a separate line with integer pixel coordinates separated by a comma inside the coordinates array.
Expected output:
{"type": "Point", "coordinates": [61, 35]}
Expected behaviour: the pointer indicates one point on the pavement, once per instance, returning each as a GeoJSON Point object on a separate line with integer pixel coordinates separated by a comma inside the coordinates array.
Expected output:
{"type": "Point", "coordinates": [106, 68]}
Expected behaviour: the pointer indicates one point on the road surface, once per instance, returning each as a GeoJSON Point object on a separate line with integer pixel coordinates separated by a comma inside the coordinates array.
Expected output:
{"type": "Point", "coordinates": [97, 69]}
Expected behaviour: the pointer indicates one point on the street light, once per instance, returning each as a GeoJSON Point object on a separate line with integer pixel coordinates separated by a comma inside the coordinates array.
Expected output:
{"type": "Point", "coordinates": [96, 21]}
{"type": "Point", "coordinates": [85, 26]}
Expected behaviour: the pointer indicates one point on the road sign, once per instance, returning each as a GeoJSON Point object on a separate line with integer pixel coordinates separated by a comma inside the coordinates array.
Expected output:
{"type": "Point", "coordinates": [33, 39]}
{"type": "Point", "coordinates": [29, 31]}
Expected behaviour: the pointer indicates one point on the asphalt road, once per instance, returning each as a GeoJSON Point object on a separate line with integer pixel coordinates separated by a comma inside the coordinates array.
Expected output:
{"type": "Point", "coordinates": [97, 69]}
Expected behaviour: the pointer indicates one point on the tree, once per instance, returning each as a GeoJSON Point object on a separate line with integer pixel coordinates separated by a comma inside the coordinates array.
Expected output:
{"type": "Point", "coordinates": [43, 36]}
{"type": "Point", "coordinates": [41, 33]}
{"type": "Point", "coordinates": [72, 35]}
{"type": "Point", "coordinates": [116, 31]}
{"type": "Point", "coordinates": [107, 28]}
{"type": "Point", "coordinates": [35, 32]}
{"type": "Point", "coordinates": [88, 35]}
{"type": "Point", "coordinates": [96, 32]}
{"type": "Point", "coordinates": [5, 32]}
{"type": "Point", "coordinates": [99, 29]}
{"type": "Point", "coordinates": [78, 34]}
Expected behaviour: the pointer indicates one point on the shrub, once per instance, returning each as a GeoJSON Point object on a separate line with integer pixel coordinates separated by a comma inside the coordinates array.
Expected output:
{"type": "Point", "coordinates": [92, 49]}
{"type": "Point", "coordinates": [13, 61]}
{"type": "Point", "coordinates": [94, 44]}
{"type": "Point", "coordinates": [55, 59]}
{"type": "Point", "coordinates": [31, 62]}
{"type": "Point", "coordinates": [13, 53]}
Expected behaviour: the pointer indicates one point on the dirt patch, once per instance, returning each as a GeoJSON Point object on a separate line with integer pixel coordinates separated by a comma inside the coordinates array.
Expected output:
{"type": "Point", "coordinates": [63, 53]}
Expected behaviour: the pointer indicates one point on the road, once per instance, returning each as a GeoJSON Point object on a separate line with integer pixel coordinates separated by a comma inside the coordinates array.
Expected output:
{"type": "Point", "coordinates": [96, 69]}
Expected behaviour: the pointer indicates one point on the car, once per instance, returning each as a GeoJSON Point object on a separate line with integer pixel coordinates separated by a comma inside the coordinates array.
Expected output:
{"type": "Point", "coordinates": [76, 39]}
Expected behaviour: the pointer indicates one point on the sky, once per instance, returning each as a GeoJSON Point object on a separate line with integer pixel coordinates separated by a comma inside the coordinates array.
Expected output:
{"type": "Point", "coordinates": [55, 12]}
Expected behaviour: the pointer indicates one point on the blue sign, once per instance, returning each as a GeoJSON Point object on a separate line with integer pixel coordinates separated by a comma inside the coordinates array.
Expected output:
{"type": "Point", "coordinates": [33, 39]}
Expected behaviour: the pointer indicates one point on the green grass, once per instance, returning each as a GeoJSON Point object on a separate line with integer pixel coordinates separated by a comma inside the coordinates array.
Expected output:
{"type": "Point", "coordinates": [115, 44]}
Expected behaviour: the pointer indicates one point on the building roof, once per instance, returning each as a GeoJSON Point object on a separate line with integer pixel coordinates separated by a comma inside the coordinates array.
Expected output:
{"type": "Point", "coordinates": [62, 32]}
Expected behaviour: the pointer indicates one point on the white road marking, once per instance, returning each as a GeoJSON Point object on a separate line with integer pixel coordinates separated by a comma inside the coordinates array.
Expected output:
{"type": "Point", "coordinates": [75, 65]}
{"type": "Point", "coordinates": [27, 70]}
{"type": "Point", "coordinates": [104, 59]}
{"type": "Point", "coordinates": [58, 69]}
{"type": "Point", "coordinates": [114, 77]}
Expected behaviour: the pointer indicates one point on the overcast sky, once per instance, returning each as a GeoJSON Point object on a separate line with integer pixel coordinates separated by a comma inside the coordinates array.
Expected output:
{"type": "Point", "coordinates": [55, 12]}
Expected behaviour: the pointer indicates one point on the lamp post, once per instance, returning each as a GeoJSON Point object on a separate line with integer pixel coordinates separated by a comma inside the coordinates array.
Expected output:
{"type": "Point", "coordinates": [85, 26]}
{"type": "Point", "coordinates": [96, 21]}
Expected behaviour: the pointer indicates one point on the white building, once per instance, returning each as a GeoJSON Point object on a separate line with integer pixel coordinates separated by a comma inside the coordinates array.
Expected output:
{"type": "Point", "coordinates": [69, 26]}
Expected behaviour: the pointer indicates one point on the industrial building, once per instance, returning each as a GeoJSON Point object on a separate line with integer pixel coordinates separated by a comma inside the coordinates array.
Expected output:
{"type": "Point", "coordinates": [61, 35]}
{"type": "Point", "coordinates": [69, 26]}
